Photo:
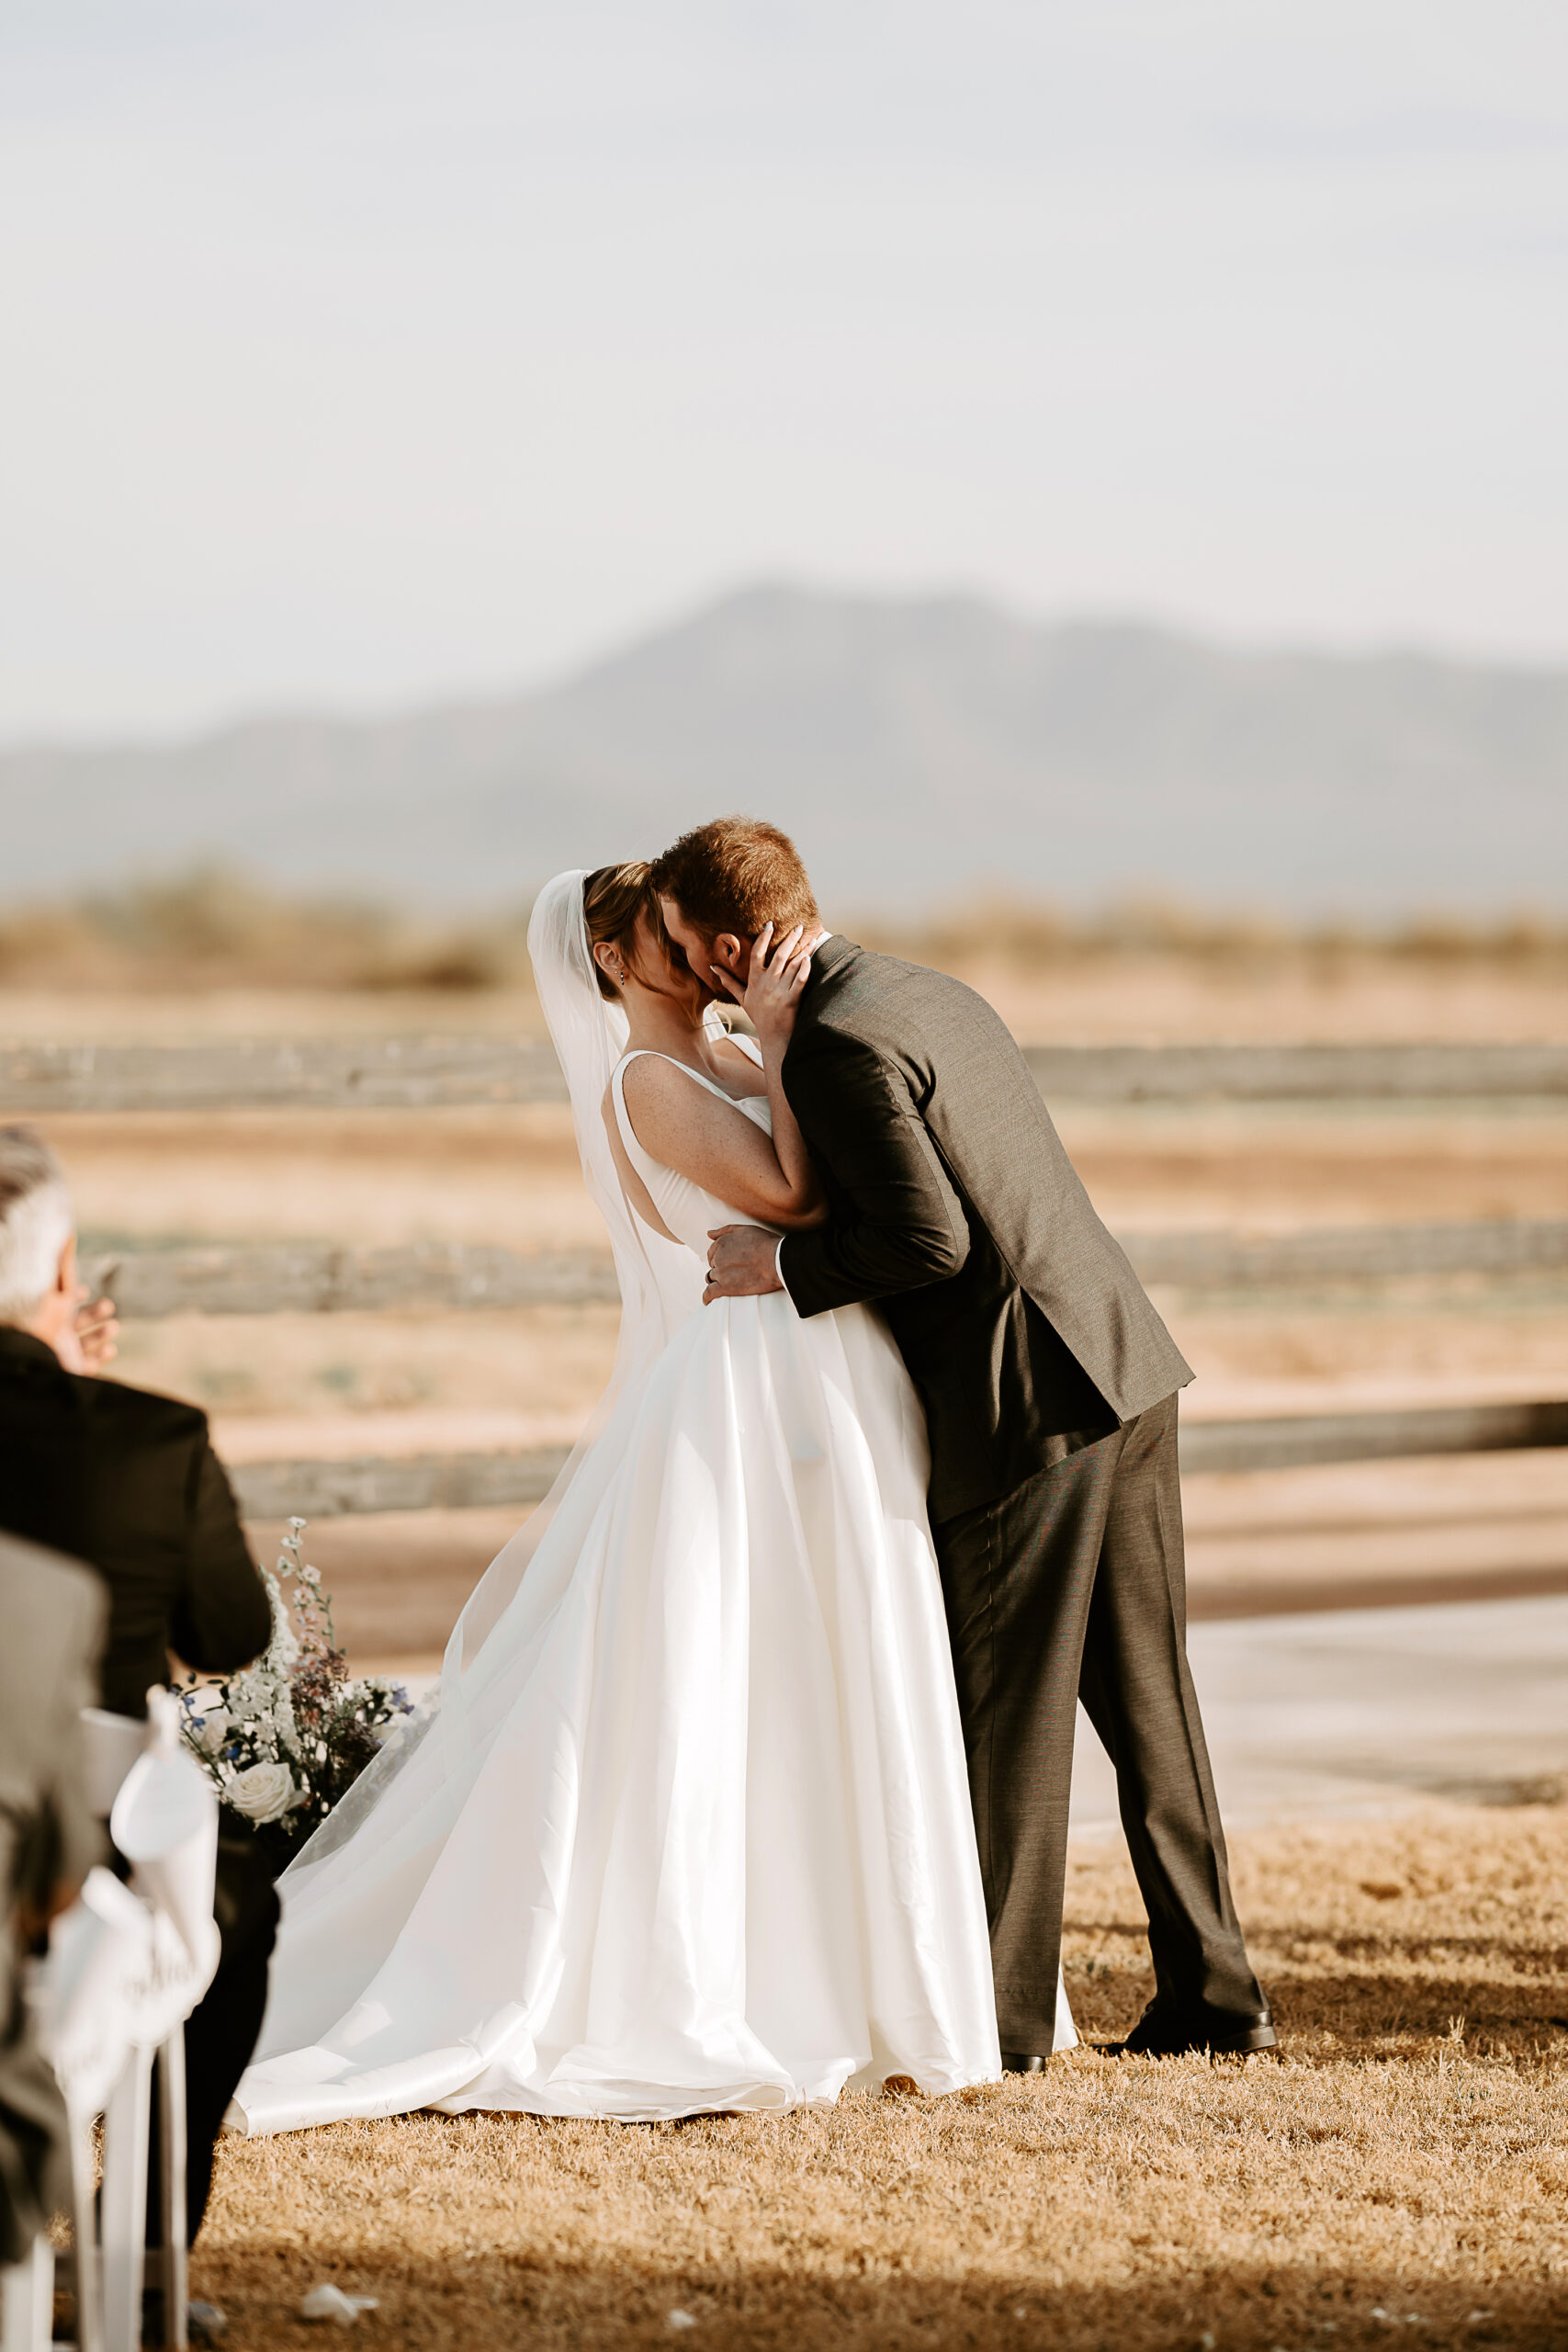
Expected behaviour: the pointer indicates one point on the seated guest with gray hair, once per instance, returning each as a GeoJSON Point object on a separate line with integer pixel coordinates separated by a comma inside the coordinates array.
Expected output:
{"type": "Point", "coordinates": [114, 1475]}
{"type": "Point", "coordinates": [128, 1482]}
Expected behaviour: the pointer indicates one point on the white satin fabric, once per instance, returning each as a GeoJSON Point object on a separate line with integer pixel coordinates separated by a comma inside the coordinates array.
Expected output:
{"type": "Point", "coordinates": [698, 1836]}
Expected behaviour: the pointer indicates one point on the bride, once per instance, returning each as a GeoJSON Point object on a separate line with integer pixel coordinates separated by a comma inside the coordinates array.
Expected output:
{"type": "Point", "coordinates": [690, 1828]}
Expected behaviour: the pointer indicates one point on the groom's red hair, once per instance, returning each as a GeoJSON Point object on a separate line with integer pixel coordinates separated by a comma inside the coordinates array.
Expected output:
{"type": "Point", "coordinates": [737, 873]}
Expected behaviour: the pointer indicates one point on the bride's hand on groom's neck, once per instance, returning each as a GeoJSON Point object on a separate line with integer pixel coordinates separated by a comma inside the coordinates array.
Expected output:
{"type": "Point", "coordinates": [768, 988]}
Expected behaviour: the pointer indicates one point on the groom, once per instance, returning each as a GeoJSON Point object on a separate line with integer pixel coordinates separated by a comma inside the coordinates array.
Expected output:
{"type": "Point", "coordinates": [1049, 1385]}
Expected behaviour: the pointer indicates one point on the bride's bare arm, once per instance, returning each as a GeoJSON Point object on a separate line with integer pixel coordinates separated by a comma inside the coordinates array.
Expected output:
{"type": "Point", "coordinates": [678, 1121]}
{"type": "Point", "coordinates": [681, 1123]}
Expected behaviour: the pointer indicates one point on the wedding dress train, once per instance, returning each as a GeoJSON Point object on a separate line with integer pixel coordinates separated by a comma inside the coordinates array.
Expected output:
{"type": "Point", "coordinates": [691, 1829]}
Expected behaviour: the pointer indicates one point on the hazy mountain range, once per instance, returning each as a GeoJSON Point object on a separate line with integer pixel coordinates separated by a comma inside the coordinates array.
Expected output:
{"type": "Point", "coordinates": [919, 747]}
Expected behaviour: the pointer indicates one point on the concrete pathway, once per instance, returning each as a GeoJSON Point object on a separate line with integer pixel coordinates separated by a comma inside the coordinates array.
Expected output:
{"type": "Point", "coordinates": [1370, 1711]}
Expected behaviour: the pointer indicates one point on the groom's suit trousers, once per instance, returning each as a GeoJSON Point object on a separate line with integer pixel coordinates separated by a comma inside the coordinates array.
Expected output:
{"type": "Point", "coordinates": [1074, 1587]}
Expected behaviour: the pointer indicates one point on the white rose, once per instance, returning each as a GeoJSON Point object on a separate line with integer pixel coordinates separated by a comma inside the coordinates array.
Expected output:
{"type": "Point", "coordinates": [264, 1792]}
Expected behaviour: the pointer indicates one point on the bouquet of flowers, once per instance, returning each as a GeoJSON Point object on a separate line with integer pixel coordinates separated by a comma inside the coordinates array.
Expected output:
{"type": "Point", "coordinates": [282, 1739]}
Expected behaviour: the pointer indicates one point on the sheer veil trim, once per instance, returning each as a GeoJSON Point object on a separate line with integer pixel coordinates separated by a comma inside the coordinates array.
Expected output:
{"type": "Point", "coordinates": [655, 1276]}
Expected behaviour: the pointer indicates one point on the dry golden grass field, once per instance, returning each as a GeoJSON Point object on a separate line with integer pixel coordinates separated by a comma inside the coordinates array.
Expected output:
{"type": "Point", "coordinates": [1399, 2173]}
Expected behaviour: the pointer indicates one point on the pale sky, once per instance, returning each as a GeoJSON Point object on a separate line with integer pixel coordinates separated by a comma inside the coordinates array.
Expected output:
{"type": "Point", "coordinates": [354, 352]}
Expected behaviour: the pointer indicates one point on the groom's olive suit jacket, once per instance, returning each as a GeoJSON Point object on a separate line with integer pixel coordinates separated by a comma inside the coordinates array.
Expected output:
{"type": "Point", "coordinates": [954, 1206]}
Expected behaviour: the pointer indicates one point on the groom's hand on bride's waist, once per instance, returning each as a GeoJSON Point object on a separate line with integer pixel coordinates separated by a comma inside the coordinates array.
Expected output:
{"type": "Point", "coordinates": [742, 1262]}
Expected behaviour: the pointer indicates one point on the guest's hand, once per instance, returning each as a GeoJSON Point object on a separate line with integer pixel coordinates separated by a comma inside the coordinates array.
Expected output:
{"type": "Point", "coordinates": [96, 1335]}
{"type": "Point", "coordinates": [741, 1262]}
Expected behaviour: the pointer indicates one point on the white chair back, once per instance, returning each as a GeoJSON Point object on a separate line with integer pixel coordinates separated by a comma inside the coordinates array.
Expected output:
{"type": "Point", "coordinates": [111, 1745]}
{"type": "Point", "coordinates": [29, 2300]}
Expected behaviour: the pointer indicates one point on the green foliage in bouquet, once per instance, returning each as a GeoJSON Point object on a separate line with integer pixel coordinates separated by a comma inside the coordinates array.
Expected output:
{"type": "Point", "coordinates": [283, 1739]}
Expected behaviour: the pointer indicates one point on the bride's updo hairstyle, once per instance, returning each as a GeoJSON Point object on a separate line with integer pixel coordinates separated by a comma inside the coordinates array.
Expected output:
{"type": "Point", "coordinates": [735, 876]}
{"type": "Point", "coordinates": [612, 897]}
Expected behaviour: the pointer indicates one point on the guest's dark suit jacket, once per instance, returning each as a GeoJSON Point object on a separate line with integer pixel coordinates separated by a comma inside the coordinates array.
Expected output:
{"type": "Point", "coordinates": [956, 1208]}
{"type": "Point", "coordinates": [128, 1482]}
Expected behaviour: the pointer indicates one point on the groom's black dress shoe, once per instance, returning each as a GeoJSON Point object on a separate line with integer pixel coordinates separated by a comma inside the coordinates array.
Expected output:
{"type": "Point", "coordinates": [1172, 2030]}
{"type": "Point", "coordinates": [1019, 2061]}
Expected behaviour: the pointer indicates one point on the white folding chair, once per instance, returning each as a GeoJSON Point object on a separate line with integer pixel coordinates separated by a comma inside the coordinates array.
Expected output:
{"type": "Point", "coordinates": [111, 1745]}
{"type": "Point", "coordinates": [127, 1966]}
{"type": "Point", "coordinates": [30, 2300]}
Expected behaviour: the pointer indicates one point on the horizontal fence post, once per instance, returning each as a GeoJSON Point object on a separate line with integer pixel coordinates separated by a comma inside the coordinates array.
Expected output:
{"type": "Point", "coordinates": [303, 1277]}
{"type": "Point", "coordinates": [431, 1481]}
{"type": "Point", "coordinates": [1351, 1253]}
{"type": "Point", "coordinates": [429, 1073]}
{"type": "Point", "coordinates": [367, 1074]}
{"type": "Point", "coordinates": [1296, 1442]}
{"type": "Point", "coordinates": [395, 1482]}
{"type": "Point", "coordinates": [1296, 1073]}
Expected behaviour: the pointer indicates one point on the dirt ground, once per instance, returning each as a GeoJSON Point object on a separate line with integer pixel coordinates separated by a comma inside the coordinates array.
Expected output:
{"type": "Point", "coordinates": [1402, 2168]}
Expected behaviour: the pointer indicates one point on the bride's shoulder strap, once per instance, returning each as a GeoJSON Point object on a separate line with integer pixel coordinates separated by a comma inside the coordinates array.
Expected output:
{"type": "Point", "coordinates": [742, 1044]}
{"type": "Point", "coordinates": [652, 1054]}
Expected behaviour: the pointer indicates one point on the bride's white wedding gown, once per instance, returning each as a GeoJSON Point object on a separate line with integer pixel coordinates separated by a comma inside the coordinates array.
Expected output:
{"type": "Point", "coordinates": [692, 1831]}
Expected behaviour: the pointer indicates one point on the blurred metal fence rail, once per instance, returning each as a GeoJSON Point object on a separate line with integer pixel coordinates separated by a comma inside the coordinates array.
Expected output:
{"type": "Point", "coordinates": [430, 1073]}
{"type": "Point", "coordinates": [270, 1490]}
{"type": "Point", "coordinates": [303, 1277]}
{"type": "Point", "coordinates": [1298, 1073]}
{"type": "Point", "coordinates": [313, 1278]}
{"type": "Point", "coordinates": [1350, 1252]}
{"type": "Point", "coordinates": [372, 1482]}
{"type": "Point", "coordinates": [1296, 1442]}
{"type": "Point", "coordinates": [326, 1074]}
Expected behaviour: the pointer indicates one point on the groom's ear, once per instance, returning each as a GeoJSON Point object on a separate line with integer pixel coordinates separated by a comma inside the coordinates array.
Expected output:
{"type": "Point", "coordinates": [733, 953]}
